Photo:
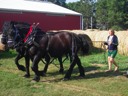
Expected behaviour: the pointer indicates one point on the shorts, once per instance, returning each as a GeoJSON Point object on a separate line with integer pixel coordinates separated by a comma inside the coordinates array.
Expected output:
{"type": "Point", "coordinates": [112, 53]}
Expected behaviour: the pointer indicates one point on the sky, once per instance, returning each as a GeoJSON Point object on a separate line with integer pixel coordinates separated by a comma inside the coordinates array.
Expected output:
{"type": "Point", "coordinates": [67, 1]}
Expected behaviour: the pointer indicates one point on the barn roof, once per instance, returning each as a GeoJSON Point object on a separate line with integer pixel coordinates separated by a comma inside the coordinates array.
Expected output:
{"type": "Point", "coordinates": [34, 6]}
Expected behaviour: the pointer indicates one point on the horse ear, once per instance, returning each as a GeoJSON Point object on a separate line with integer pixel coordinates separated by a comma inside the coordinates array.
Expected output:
{"type": "Point", "coordinates": [15, 25]}
{"type": "Point", "coordinates": [38, 23]}
{"type": "Point", "coordinates": [12, 22]}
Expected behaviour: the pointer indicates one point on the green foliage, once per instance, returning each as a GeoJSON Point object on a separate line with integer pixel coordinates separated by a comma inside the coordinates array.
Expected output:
{"type": "Point", "coordinates": [112, 13]}
{"type": "Point", "coordinates": [59, 2]}
{"type": "Point", "coordinates": [101, 14]}
{"type": "Point", "coordinates": [105, 13]}
{"type": "Point", "coordinates": [116, 27]}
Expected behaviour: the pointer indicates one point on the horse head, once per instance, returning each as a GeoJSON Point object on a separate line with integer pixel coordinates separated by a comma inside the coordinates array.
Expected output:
{"type": "Point", "coordinates": [14, 32]}
{"type": "Point", "coordinates": [5, 29]}
{"type": "Point", "coordinates": [33, 36]}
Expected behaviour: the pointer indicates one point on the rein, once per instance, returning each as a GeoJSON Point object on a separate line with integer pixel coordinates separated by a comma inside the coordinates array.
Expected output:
{"type": "Point", "coordinates": [104, 48]}
{"type": "Point", "coordinates": [17, 33]}
{"type": "Point", "coordinates": [53, 60]}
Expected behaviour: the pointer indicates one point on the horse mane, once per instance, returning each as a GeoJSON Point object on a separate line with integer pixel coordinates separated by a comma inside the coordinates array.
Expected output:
{"type": "Point", "coordinates": [20, 25]}
{"type": "Point", "coordinates": [52, 33]}
{"type": "Point", "coordinates": [23, 25]}
{"type": "Point", "coordinates": [56, 32]}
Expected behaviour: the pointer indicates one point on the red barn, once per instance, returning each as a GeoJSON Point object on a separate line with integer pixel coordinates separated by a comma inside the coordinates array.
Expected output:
{"type": "Point", "coordinates": [49, 15]}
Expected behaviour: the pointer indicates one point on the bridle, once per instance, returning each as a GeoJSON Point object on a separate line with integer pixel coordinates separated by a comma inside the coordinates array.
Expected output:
{"type": "Point", "coordinates": [14, 36]}
{"type": "Point", "coordinates": [30, 37]}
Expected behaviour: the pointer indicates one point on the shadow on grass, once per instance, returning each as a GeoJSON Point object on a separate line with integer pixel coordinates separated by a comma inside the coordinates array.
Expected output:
{"type": "Point", "coordinates": [102, 74]}
{"type": "Point", "coordinates": [88, 76]}
{"type": "Point", "coordinates": [90, 73]}
{"type": "Point", "coordinates": [124, 69]}
{"type": "Point", "coordinates": [75, 70]}
{"type": "Point", "coordinates": [7, 54]}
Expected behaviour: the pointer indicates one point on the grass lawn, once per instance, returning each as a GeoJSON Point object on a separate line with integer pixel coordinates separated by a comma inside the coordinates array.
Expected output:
{"type": "Point", "coordinates": [96, 83]}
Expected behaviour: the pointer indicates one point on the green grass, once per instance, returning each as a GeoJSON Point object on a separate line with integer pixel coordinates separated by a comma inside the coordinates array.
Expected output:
{"type": "Point", "coordinates": [96, 83]}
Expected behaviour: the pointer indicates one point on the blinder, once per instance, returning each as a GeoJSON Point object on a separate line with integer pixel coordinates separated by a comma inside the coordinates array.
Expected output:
{"type": "Point", "coordinates": [14, 37]}
{"type": "Point", "coordinates": [4, 39]}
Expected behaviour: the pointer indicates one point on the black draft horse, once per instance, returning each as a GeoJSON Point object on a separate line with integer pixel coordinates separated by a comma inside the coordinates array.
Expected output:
{"type": "Point", "coordinates": [18, 39]}
{"type": "Point", "coordinates": [8, 27]}
{"type": "Point", "coordinates": [56, 45]}
{"type": "Point", "coordinates": [15, 33]}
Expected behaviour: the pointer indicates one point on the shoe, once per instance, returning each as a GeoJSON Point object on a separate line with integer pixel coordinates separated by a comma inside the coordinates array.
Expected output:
{"type": "Point", "coordinates": [116, 69]}
{"type": "Point", "coordinates": [108, 71]}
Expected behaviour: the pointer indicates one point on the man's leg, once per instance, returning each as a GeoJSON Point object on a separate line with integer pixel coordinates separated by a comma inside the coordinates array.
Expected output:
{"type": "Point", "coordinates": [109, 63]}
{"type": "Point", "coordinates": [113, 62]}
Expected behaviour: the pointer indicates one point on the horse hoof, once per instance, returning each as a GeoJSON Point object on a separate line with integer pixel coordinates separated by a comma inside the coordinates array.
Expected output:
{"type": "Point", "coordinates": [22, 68]}
{"type": "Point", "coordinates": [36, 79]}
{"type": "Point", "coordinates": [61, 71]}
{"type": "Point", "coordinates": [27, 76]}
{"type": "Point", "coordinates": [81, 77]}
{"type": "Point", "coordinates": [42, 73]}
{"type": "Point", "coordinates": [65, 79]}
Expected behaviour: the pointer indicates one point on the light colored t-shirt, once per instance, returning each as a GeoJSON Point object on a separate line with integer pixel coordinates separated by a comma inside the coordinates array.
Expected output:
{"type": "Point", "coordinates": [110, 39]}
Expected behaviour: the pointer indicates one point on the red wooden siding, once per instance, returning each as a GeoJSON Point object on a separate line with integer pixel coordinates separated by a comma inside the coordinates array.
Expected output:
{"type": "Point", "coordinates": [47, 21]}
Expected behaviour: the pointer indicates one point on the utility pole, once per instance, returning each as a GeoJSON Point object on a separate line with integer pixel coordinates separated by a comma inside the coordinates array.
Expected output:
{"type": "Point", "coordinates": [91, 22]}
{"type": "Point", "coordinates": [93, 13]}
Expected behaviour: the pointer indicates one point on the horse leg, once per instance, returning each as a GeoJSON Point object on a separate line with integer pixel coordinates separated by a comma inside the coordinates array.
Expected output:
{"type": "Point", "coordinates": [27, 59]}
{"type": "Point", "coordinates": [34, 67]}
{"type": "Point", "coordinates": [20, 67]}
{"type": "Point", "coordinates": [69, 72]}
{"type": "Point", "coordinates": [61, 65]}
{"type": "Point", "coordinates": [80, 67]}
{"type": "Point", "coordinates": [47, 59]}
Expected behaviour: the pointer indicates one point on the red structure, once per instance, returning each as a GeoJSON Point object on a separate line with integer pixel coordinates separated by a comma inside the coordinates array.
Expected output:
{"type": "Point", "coordinates": [64, 19]}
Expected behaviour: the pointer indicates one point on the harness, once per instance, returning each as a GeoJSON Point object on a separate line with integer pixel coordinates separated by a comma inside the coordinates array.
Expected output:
{"type": "Point", "coordinates": [29, 32]}
{"type": "Point", "coordinates": [30, 40]}
{"type": "Point", "coordinates": [16, 36]}
{"type": "Point", "coordinates": [30, 37]}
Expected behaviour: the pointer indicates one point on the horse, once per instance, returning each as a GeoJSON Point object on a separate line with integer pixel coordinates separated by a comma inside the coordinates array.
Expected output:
{"type": "Point", "coordinates": [18, 45]}
{"type": "Point", "coordinates": [57, 45]}
{"type": "Point", "coordinates": [21, 31]}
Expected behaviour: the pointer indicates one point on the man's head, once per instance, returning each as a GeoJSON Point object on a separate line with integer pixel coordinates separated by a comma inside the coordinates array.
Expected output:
{"type": "Point", "coordinates": [111, 32]}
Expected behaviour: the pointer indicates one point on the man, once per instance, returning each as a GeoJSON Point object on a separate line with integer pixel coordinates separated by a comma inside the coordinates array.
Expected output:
{"type": "Point", "coordinates": [112, 43]}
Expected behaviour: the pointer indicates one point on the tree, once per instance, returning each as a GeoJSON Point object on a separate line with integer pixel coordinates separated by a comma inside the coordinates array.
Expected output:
{"type": "Point", "coordinates": [102, 14]}
{"type": "Point", "coordinates": [83, 7]}
{"type": "Point", "coordinates": [115, 14]}
{"type": "Point", "coordinates": [112, 14]}
{"type": "Point", "coordinates": [59, 2]}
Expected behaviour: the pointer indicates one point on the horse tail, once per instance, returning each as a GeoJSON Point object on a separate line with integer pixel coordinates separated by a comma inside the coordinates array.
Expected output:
{"type": "Point", "coordinates": [79, 43]}
{"type": "Point", "coordinates": [84, 44]}
{"type": "Point", "coordinates": [85, 47]}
